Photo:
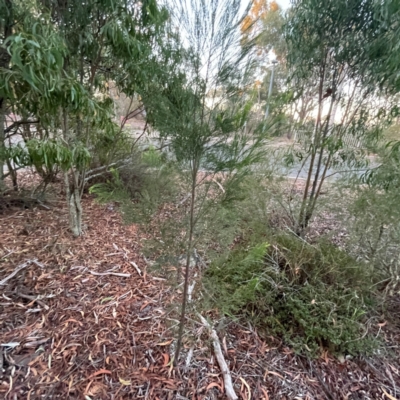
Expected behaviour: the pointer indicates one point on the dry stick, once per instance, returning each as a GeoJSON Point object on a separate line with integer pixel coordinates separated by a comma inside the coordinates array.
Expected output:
{"type": "Point", "coordinates": [136, 267]}
{"type": "Point", "coordinates": [36, 343]}
{"type": "Point", "coordinates": [110, 273]}
{"type": "Point", "coordinates": [19, 268]}
{"type": "Point", "coordinates": [9, 253]}
{"type": "Point", "coordinates": [1, 362]}
{"type": "Point", "coordinates": [229, 390]}
{"type": "Point", "coordinates": [188, 357]}
{"type": "Point", "coordinates": [33, 298]}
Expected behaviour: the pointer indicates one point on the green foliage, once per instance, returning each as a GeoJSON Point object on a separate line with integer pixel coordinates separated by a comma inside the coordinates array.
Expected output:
{"type": "Point", "coordinates": [154, 184]}
{"type": "Point", "coordinates": [139, 186]}
{"type": "Point", "coordinates": [111, 190]}
{"type": "Point", "coordinates": [50, 154]}
{"type": "Point", "coordinates": [152, 158]}
{"type": "Point", "coordinates": [31, 53]}
{"type": "Point", "coordinates": [313, 297]}
{"type": "Point", "coordinates": [323, 54]}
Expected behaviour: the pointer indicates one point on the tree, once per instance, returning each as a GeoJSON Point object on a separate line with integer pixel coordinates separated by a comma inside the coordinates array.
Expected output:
{"type": "Point", "coordinates": [323, 40]}
{"type": "Point", "coordinates": [81, 46]}
{"type": "Point", "coordinates": [203, 109]}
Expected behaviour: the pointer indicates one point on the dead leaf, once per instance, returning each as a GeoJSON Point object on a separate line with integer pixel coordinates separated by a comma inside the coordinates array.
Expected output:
{"type": "Point", "coordinates": [164, 343]}
{"type": "Point", "coordinates": [272, 373]}
{"type": "Point", "coordinates": [99, 372]}
{"type": "Point", "coordinates": [166, 359]}
{"type": "Point", "coordinates": [247, 387]}
{"type": "Point", "coordinates": [73, 320]}
{"type": "Point", "coordinates": [213, 384]}
{"type": "Point", "coordinates": [266, 397]}
{"type": "Point", "coordinates": [124, 382]}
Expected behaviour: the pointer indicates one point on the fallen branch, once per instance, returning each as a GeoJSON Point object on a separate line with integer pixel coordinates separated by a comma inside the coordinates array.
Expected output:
{"type": "Point", "coordinates": [1, 362]}
{"type": "Point", "coordinates": [190, 291]}
{"type": "Point", "coordinates": [136, 267]}
{"type": "Point", "coordinates": [9, 253]}
{"type": "Point", "coordinates": [199, 259]}
{"type": "Point", "coordinates": [184, 200]}
{"type": "Point", "coordinates": [36, 343]}
{"type": "Point", "coordinates": [33, 298]}
{"type": "Point", "coordinates": [229, 390]}
{"type": "Point", "coordinates": [110, 273]}
{"type": "Point", "coordinates": [191, 288]}
{"type": "Point", "coordinates": [19, 268]}
{"type": "Point", "coordinates": [189, 357]}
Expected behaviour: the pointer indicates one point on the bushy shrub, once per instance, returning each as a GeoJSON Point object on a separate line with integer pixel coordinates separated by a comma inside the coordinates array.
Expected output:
{"type": "Point", "coordinates": [313, 297]}
{"type": "Point", "coordinates": [139, 186]}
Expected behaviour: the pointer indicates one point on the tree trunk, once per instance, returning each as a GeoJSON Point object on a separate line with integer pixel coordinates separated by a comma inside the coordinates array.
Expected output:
{"type": "Point", "coordinates": [187, 267]}
{"type": "Point", "coordinates": [74, 204]}
{"type": "Point", "coordinates": [72, 188]}
{"type": "Point", "coordinates": [2, 141]}
{"type": "Point", "coordinates": [4, 64]}
{"type": "Point", "coordinates": [13, 174]}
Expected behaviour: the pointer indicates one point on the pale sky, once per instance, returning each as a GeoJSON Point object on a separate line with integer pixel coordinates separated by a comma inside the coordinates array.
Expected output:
{"type": "Point", "coordinates": [285, 4]}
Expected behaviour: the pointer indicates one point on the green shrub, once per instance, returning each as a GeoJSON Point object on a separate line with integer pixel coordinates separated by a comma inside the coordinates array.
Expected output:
{"type": "Point", "coordinates": [111, 190]}
{"type": "Point", "coordinates": [139, 186]}
{"type": "Point", "coordinates": [312, 297]}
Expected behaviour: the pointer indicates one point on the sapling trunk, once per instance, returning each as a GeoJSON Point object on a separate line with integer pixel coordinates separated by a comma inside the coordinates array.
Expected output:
{"type": "Point", "coordinates": [2, 141]}
{"type": "Point", "coordinates": [4, 64]}
{"type": "Point", "coordinates": [301, 223]}
{"type": "Point", "coordinates": [187, 266]}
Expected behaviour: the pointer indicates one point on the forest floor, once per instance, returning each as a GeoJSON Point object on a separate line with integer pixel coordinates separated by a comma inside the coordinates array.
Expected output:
{"type": "Point", "coordinates": [83, 318]}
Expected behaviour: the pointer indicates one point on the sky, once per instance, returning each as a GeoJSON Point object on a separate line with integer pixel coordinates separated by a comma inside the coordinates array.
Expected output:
{"type": "Point", "coordinates": [284, 4]}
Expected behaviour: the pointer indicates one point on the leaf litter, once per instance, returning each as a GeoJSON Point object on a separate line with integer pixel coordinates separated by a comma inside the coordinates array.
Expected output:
{"type": "Point", "coordinates": [85, 324]}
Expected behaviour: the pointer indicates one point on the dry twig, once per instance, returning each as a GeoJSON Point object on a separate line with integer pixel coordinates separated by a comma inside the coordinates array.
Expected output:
{"type": "Point", "coordinates": [19, 268]}
{"type": "Point", "coordinates": [33, 298]}
{"type": "Point", "coordinates": [110, 273]}
{"type": "Point", "coordinates": [229, 390]}
{"type": "Point", "coordinates": [136, 267]}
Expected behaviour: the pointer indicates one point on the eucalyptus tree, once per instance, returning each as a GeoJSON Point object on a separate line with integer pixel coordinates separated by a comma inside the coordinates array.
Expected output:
{"type": "Point", "coordinates": [203, 110]}
{"type": "Point", "coordinates": [30, 47]}
{"type": "Point", "coordinates": [381, 49]}
{"type": "Point", "coordinates": [105, 40]}
{"type": "Point", "coordinates": [325, 42]}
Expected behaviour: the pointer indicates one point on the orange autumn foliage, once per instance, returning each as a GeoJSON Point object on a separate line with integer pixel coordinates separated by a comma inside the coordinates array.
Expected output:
{"type": "Point", "coordinates": [258, 11]}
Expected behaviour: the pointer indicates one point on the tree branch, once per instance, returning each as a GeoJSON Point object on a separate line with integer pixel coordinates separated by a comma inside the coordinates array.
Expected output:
{"type": "Point", "coordinates": [16, 124]}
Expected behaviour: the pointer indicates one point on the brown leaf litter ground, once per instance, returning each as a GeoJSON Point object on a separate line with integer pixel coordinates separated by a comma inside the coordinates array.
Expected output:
{"type": "Point", "coordinates": [85, 320]}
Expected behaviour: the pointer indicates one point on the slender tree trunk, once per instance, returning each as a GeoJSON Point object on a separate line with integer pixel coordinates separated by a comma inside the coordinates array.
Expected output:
{"type": "Point", "coordinates": [187, 267]}
{"type": "Point", "coordinates": [13, 174]}
{"type": "Point", "coordinates": [4, 64]}
{"type": "Point", "coordinates": [315, 142]}
{"type": "Point", "coordinates": [2, 141]}
{"type": "Point", "coordinates": [72, 188]}
{"type": "Point", "coordinates": [73, 202]}
{"type": "Point", "coordinates": [326, 131]}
